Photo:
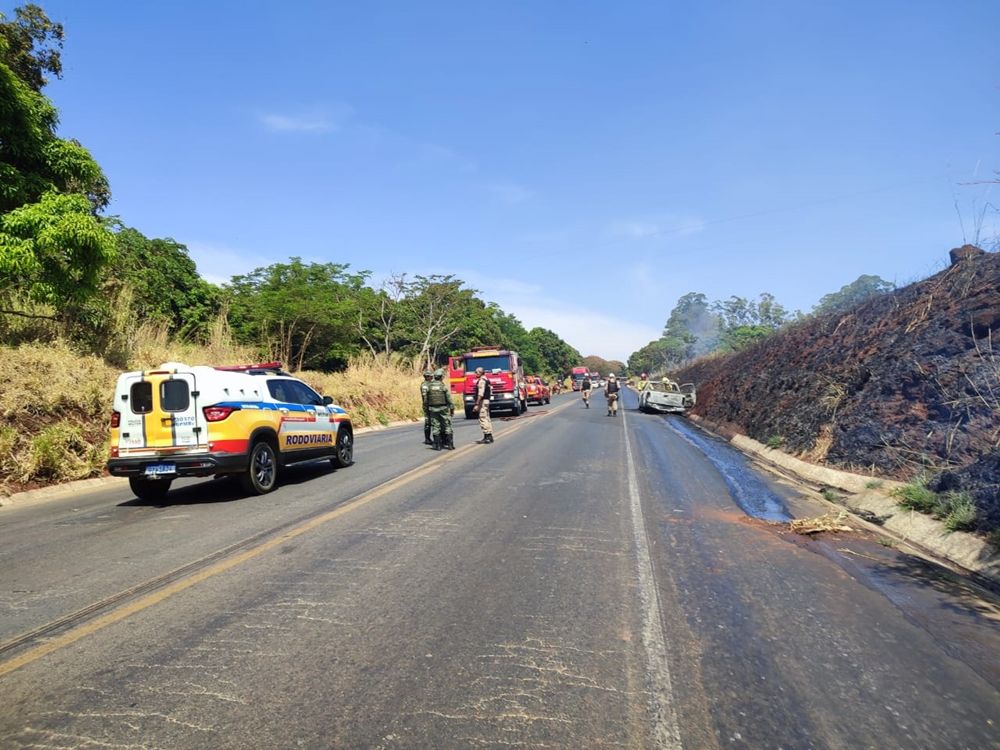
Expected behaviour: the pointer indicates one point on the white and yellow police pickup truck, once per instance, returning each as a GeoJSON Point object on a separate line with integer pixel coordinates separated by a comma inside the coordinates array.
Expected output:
{"type": "Point", "coordinates": [245, 420]}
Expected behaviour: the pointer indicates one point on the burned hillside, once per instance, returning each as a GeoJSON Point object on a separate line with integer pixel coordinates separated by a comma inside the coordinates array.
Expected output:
{"type": "Point", "coordinates": [905, 384]}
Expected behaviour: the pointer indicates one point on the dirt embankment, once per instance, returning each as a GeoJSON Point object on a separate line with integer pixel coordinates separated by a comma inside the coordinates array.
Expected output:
{"type": "Point", "coordinates": [904, 384]}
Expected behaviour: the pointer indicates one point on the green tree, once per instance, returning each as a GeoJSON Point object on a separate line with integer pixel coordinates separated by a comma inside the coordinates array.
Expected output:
{"type": "Point", "coordinates": [557, 357]}
{"type": "Point", "coordinates": [479, 327]}
{"type": "Point", "coordinates": [850, 295]}
{"type": "Point", "coordinates": [302, 314]}
{"type": "Point", "coordinates": [656, 357]}
{"type": "Point", "coordinates": [31, 45]}
{"type": "Point", "coordinates": [164, 283]}
{"type": "Point", "coordinates": [52, 247]}
{"type": "Point", "coordinates": [745, 321]}
{"type": "Point", "coordinates": [436, 310]}
{"type": "Point", "coordinates": [53, 251]}
{"type": "Point", "coordinates": [382, 316]}
{"type": "Point", "coordinates": [33, 160]}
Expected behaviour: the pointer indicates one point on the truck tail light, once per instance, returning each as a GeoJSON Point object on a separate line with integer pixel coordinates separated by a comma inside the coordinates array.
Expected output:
{"type": "Point", "coordinates": [116, 418]}
{"type": "Point", "coordinates": [114, 451]}
{"type": "Point", "coordinates": [218, 413]}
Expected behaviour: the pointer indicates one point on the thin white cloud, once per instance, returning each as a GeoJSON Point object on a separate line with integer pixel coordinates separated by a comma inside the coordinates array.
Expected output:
{"type": "Point", "coordinates": [665, 226]}
{"type": "Point", "coordinates": [508, 192]}
{"type": "Point", "coordinates": [218, 263]}
{"type": "Point", "coordinates": [639, 229]}
{"type": "Point", "coordinates": [324, 120]}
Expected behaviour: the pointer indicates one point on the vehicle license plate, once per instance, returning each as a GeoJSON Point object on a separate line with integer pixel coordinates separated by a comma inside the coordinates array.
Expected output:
{"type": "Point", "coordinates": [155, 470]}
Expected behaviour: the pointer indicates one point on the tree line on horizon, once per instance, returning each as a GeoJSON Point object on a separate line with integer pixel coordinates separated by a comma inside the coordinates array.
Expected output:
{"type": "Point", "coordinates": [697, 327]}
{"type": "Point", "coordinates": [69, 271]}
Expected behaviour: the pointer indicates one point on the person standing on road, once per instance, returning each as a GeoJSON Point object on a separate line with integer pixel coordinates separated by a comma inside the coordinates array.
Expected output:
{"type": "Point", "coordinates": [482, 407]}
{"type": "Point", "coordinates": [611, 391]}
{"type": "Point", "coordinates": [441, 408]}
{"type": "Point", "coordinates": [428, 375]}
{"type": "Point", "coordinates": [585, 387]}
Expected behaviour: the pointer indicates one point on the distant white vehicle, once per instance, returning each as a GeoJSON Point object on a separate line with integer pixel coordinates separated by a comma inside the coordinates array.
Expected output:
{"type": "Point", "coordinates": [666, 396]}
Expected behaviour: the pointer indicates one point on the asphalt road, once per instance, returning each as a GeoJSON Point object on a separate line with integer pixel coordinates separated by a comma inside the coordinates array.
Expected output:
{"type": "Point", "coordinates": [586, 581]}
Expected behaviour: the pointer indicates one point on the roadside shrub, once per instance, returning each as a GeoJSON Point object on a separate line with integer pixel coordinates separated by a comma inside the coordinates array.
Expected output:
{"type": "Point", "coordinates": [775, 441]}
{"type": "Point", "coordinates": [958, 511]}
{"type": "Point", "coordinates": [60, 452]}
{"type": "Point", "coordinates": [917, 496]}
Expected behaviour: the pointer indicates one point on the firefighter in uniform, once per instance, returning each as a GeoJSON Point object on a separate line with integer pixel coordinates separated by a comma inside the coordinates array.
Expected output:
{"type": "Point", "coordinates": [441, 409]}
{"type": "Point", "coordinates": [611, 389]}
{"type": "Point", "coordinates": [423, 399]}
{"type": "Point", "coordinates": [482, 406]}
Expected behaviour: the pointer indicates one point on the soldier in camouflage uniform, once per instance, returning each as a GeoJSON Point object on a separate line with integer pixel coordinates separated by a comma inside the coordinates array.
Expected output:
{"type": "Point", "coordinates": [441, 409]}
{"type": "Point", "coordinates": [423, 399]}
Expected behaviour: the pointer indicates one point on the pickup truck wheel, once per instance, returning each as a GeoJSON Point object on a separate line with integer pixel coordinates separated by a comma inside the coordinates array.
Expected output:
{"type": "Point", "coordinates": [149, 489]}
{"type": "Point", "coordinates": [345, 449]}
{"type": "Point", "coordinates": [261, 475]}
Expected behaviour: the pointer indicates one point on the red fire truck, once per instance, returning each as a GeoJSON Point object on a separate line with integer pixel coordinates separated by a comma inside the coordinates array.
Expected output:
{"type": "Point", "coordinates": [456, 373]}
{"type": "Point", "coordinates": [506, 376]}
{"type": "Point", "coordinates": [578, 375]}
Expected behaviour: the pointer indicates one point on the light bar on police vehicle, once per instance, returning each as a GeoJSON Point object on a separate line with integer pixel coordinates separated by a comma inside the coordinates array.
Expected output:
{"type": "Point", "coordinates": [260, 366]}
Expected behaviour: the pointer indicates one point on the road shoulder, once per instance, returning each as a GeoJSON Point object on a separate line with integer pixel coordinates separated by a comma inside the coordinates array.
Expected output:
{"type": "Point", "coordinates": [867, 497]}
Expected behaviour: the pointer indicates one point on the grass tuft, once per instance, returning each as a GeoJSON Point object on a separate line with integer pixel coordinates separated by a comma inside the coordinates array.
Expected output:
{"type": "Point", "coordinates": [917, 496]}
{"type": "Point", "coordinates": [832, 495]}
{"type": "Point", "coordinates": [958, 510]}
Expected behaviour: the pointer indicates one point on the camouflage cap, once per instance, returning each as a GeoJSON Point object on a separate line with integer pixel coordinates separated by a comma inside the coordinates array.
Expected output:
{"type": "Point", "coordinates": [439, 373]}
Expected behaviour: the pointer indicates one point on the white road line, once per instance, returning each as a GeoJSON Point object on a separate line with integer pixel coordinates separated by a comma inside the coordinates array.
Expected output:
{"type": "Point", "coordinates": [661, 692]}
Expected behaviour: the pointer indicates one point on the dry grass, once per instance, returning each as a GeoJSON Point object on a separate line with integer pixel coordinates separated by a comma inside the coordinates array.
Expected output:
{"type": "Point", "coordinates": [827, 522]}
{"type": "Point", "coordinates": [824, 441]}
{"type": "Point", "coordinates": [373, 390]}
{"type": "Point", "coordinates": [52, 379]}
{"type": "Point", "coordinates": [53, 414]}
{"type": "Point", "coordinates": [151, 346]}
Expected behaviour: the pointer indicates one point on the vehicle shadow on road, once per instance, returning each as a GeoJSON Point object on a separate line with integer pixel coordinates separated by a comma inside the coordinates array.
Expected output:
{"type": "Point", "coordinates": [227, 489]}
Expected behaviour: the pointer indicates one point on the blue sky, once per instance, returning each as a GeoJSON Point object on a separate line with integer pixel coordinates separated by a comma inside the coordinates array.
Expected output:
{"type": "Point", "coordinates": [582, 164]}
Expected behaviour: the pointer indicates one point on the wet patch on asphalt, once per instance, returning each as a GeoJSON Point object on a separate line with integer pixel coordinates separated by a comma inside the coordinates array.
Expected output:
{"type": "Point", "coordinates": [749, 491]}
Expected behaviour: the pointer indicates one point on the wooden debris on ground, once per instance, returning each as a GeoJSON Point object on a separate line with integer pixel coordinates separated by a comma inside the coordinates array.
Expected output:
{"type": "Point", "coordinates": [832, 521]}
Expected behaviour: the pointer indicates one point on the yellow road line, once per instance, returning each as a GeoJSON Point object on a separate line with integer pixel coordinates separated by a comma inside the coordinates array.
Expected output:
{"type": "Point", "coordinates": [144, 602]}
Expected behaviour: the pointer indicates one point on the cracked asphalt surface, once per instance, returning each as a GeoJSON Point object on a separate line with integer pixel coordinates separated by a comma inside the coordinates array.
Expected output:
{"type": "Point", "coordinates": [586, 581]}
